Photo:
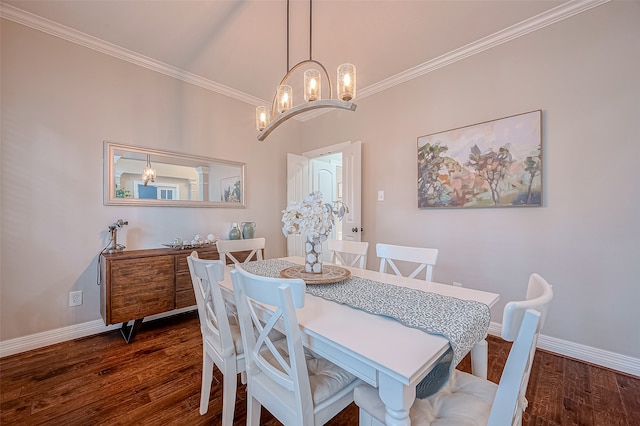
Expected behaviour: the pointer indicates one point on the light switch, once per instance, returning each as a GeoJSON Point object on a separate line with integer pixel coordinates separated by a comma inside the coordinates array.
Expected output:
{"type": "Point", "coordinates": [380, 195]}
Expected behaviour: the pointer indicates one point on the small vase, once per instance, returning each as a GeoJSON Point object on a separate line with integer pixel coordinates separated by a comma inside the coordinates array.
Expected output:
{"type": "Point", "coordinates": [313, 258]}
{"type": "Point", "coordinates": [248, 230]}
{"type": "Point", "coordinates": [235, 233]}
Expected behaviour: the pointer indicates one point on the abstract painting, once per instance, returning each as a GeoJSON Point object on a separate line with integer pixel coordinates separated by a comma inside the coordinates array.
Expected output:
{"type": "Point", "coordinates": [497, 163]}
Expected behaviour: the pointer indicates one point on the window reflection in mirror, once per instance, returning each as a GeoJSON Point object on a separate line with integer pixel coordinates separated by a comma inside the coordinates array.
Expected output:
{"type": "Point", "coordinates": [180, 179]}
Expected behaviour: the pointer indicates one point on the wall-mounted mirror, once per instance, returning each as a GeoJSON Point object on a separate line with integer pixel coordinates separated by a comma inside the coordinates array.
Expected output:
{"type": "Point", "coordinates": [179, 180]}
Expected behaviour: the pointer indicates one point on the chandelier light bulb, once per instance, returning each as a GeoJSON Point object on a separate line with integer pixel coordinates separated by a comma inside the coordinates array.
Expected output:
{"type": "Point", "coordinates": [262, 117]}
{"type": "Point", "coordinates": [311, 85]}
{"type": "Point", "coordinates": [285, 98]}
{"type": "Point", "coordinates": [346, 82]}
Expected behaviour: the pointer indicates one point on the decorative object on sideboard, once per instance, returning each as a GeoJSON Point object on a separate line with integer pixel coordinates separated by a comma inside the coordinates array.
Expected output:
{"type": "Point", "coordinates": [196, 242]}
{"type": "Point", "coordinates": [235, 233]}
{"type": "Point", "coordinates": [248, 230]}
{"type": "Point", "coordinates": [282, 104]}
{"type": "Point", "coordinates": [113, 246]}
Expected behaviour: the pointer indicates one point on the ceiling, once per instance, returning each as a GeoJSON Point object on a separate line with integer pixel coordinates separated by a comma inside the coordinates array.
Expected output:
{"type": "Point", "coordinates": [242, 44]}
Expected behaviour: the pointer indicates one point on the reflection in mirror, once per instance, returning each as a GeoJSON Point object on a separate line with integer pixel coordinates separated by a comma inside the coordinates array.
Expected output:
{"type": "Point", "coordinates": [180, 180]}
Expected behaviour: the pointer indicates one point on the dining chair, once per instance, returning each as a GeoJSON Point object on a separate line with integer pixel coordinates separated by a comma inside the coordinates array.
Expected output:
{"type": "Point", "coordinates": [227, 248]}
{"type": "Point", "coordinates": [293, 385]}
{"type": "Point", "coordinates": [425, 257]}
{"type": "Point", "coordinates": [342, 251]}
{"type": "Point", "coordinates": [468, 399]}
{"type": "Point", "coordinates": [221, 337]}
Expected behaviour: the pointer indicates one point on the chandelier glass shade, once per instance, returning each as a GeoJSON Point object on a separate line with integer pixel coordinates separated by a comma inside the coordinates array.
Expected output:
{"type": "Point", "coordinates": [283, 107]}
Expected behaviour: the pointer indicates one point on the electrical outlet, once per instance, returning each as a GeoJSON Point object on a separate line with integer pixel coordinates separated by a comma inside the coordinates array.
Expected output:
{"type": "Point", "coordinates": [380, 195]}
{"type": "Point", "coordinates": [75, 298]}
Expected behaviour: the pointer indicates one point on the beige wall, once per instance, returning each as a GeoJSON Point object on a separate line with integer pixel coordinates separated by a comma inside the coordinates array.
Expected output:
{"type": "Point", "coordinates": [59, 102]}
{"type": "Point", "coordinates": [584, 74]}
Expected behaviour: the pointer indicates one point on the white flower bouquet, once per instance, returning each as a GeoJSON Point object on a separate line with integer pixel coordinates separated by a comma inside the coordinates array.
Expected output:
{"type": "Point", "coordinates": [311, 217]}
{"type": "Point", "coordinates": [314, 220]}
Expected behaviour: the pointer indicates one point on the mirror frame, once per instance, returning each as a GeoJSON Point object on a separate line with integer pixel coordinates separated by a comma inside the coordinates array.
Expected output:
{"type": "Point", "coordinates": [110, 198]}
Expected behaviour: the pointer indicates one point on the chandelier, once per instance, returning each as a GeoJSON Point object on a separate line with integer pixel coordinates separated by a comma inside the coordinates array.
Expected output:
{"type": "Point", "coordinates": [282, 108]}
{"type": "Point", "coordinates": [149, 173]}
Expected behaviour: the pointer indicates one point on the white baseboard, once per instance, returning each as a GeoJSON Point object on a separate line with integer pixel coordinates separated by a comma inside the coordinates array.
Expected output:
{"type": "Point", "coordinates": [51, 337]}
{"type": "Point", "coordinates": [612, 360]}
{"type": "Point", "coordinates": [623, 363]}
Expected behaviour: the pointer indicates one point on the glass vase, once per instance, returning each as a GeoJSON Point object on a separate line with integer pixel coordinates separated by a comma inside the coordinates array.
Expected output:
{"type": "Point", "coordinates": [313, 258]}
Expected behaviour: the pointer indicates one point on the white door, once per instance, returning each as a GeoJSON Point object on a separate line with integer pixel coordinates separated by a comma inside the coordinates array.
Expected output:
{"type": "Point", "coordinates": [298, 174]}
{"type": "Point", "coordinates": [297, 189]}
{"type": "Point", "coordinates": [351, 191]}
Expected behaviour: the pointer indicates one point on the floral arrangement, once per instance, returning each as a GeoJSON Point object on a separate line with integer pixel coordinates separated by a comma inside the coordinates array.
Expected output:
{"type": "Point", "coordinates": [311, 217]}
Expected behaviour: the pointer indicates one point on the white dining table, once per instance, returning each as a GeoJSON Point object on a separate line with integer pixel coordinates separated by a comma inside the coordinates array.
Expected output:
{"type": "Point", "coordinates": [377, 349]}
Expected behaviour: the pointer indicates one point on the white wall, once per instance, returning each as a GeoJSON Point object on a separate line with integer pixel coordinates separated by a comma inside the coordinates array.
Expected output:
{"type": "Point", "coordinates": [59, 102]}
{"type": "Point", "coordinates": [584, 74]}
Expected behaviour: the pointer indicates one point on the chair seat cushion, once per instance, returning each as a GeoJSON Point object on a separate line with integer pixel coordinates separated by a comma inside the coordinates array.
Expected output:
{"type": "Point", "coordinates": [325, 378]}
{"type": "Point", "coordinates": [465, 400]}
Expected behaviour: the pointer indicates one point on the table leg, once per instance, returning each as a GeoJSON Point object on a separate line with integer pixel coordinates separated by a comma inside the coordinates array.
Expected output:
{"type": "Point", "coordinates": [480, 359]}
{"type": "Point", "coordinates": [398, 400]}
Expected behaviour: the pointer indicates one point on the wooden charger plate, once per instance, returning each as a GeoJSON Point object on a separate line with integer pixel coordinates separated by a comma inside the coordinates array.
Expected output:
{"type": "Point", "coordinates": [330, 274]}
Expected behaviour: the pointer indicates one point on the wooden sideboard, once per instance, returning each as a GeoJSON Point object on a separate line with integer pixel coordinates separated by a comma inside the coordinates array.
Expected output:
{"type": "Point", "coordinates": [138, 283]}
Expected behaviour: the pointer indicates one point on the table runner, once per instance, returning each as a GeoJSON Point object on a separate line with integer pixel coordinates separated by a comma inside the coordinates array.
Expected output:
{"type": "Point", "coordinates": [462, 322]}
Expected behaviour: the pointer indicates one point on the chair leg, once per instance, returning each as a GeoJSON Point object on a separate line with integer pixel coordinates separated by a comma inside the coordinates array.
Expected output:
{"type": "Point", "coordinates": [253, 411]}
{"type": "Point", "coordinates": [230, 384]}
{"type": "Point", "coordinates": [207, 377]}
{"type": "Point", "coordinates": [480, 359]}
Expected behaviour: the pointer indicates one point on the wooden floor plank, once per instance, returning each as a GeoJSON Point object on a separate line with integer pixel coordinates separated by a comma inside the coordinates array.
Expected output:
{"type": "Point", "coordinates": [155, 380]}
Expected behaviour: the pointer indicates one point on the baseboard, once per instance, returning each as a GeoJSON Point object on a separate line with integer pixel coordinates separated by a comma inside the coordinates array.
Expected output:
{"type": "Point", "coordinates": [612, 360]}
{"type": "Point", "coordinates": [51, 337]}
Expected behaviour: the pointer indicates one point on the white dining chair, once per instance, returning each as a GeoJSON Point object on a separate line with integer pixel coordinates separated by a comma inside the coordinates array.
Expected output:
{"type": "Point", "coordinates": [350, 253]}
{"type": "Point", "coordinates": [227, 248]}
{"type": "Point", "coordinates": [294, 386]}
{"type": "Point", "coordinates": [426, 258]}
{"type": "Point", "coordinates": [469, 400]}
{"type": "Point", "coordinates": [221, 337]}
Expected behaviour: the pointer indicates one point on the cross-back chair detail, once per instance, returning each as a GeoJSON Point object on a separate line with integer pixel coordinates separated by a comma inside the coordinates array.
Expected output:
{"type": "Point", "coordinates": [467, 399]}
{"type": "Point", "coordinates": [343, 250]}
{"type": "Point", "coordinates": [280, 374]}
{"type": "Point", "coordinates": [221, 338]}
{"type": "Point", "coordinates": [426, 258]}
{"type": "Point", "coordinates": [227, 248]}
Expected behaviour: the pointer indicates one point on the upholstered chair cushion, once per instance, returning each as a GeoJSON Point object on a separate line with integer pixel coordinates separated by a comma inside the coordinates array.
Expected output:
{"type": "Point", "coordinates": [466, 400]}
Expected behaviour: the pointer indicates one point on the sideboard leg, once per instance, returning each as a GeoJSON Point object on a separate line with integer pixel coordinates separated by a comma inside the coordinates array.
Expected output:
{"type": "Point", "coordinates": [129, 331]}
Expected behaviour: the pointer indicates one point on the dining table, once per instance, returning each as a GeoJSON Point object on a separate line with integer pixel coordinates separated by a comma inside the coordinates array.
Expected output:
{"type": "Point", "coordinates": [378, 349]}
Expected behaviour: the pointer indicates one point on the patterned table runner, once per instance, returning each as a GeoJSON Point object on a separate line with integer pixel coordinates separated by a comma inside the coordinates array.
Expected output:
{"type": "Point", "coordinates": [462, 322]}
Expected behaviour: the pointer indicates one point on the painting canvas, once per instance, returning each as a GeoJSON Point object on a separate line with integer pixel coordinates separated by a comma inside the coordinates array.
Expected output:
{"type": "Point", "coordinates": [493, 164]}
{"type": "Point", "coordinates": [231, 190]}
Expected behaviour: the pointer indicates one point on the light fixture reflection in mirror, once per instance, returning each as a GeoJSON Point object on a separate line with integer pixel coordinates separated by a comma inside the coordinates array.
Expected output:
{"type": "Point", "coordinates": [180, 180]}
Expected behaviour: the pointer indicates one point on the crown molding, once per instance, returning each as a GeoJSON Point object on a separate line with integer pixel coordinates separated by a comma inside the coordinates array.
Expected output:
{"type": "Point", "coordinates": [520, 29]}
{"type": "Point", "coordinates": [557, 14]}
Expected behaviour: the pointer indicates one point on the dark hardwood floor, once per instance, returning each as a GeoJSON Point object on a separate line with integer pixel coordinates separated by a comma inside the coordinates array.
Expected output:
{"type": "Point", "coordinates": [155, 380]}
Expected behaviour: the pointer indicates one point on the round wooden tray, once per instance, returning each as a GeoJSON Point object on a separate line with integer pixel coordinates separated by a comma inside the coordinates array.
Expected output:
{"type": "Point", "coordinates": [330, 274]}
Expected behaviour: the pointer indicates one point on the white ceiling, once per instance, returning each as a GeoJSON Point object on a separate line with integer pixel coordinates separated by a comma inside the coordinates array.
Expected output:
{"type": "Point", "coordinates": [242, 44]}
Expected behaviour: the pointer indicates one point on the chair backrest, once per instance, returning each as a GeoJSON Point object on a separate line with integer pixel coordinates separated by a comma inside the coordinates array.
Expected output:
{"type": "Point", "coordinates": [508, 403]}
{"type": "Point", "coordinates": [281, 381]}
{"type": "Point", "coordinates": [425, 257]}
{"type": "Point", "coordinates": [214, 321]}
{"type": "Point", "coordinates": [226, 248]}
{"type": "Point", "coordinates": [517, 326]}
{"type": "Point", "coordinates": [342, 251]}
